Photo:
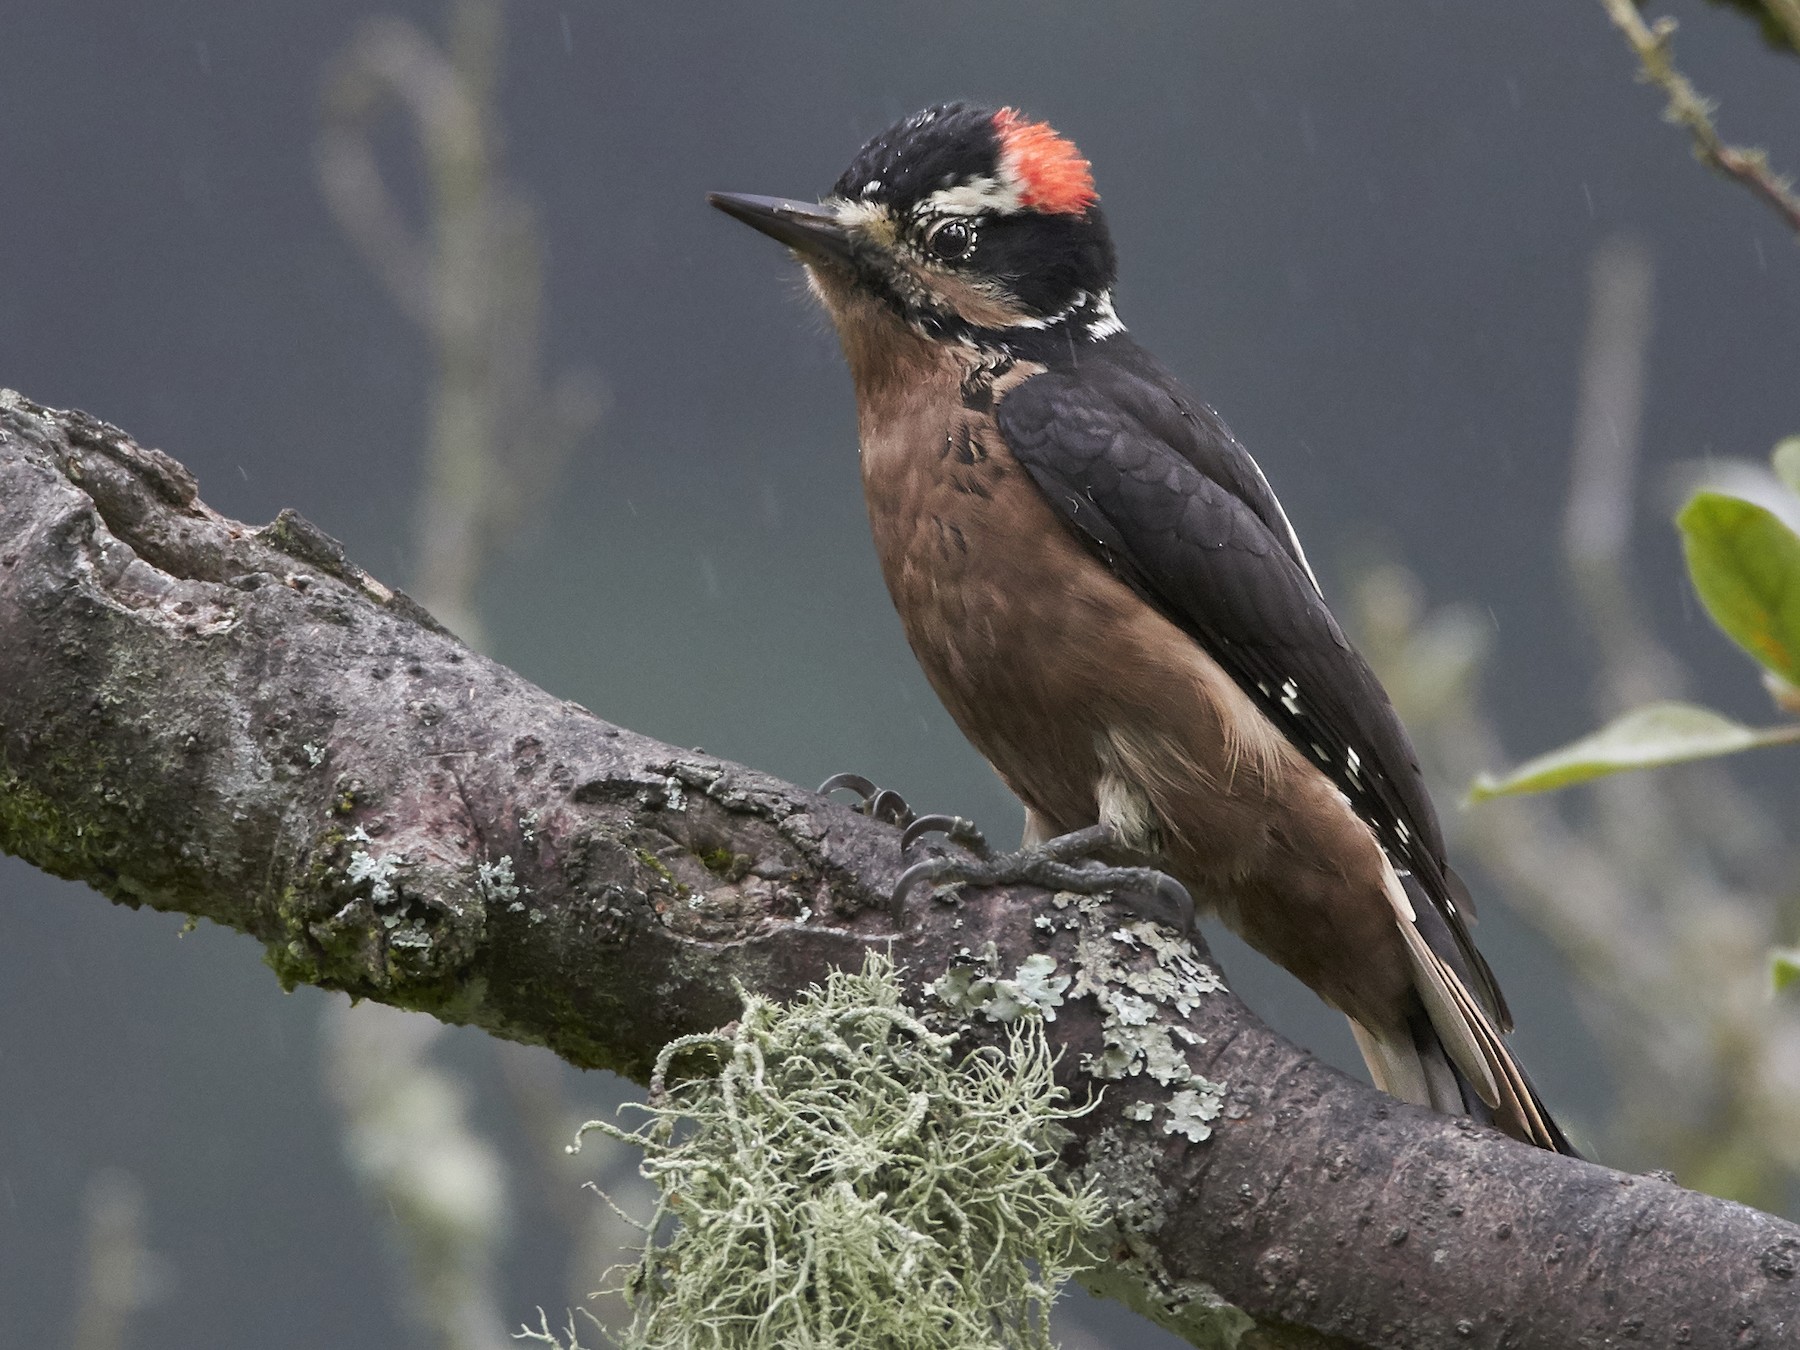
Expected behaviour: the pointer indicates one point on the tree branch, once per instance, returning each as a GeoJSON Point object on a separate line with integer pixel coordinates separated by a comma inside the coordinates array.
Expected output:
{"type": "Point", "coordinates": [1654, 44]}
{"type": "Point", "coordinates": [237, 723]}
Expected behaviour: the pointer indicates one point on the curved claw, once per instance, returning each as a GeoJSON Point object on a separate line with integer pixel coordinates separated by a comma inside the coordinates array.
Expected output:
{"type": "Point", "coordinates": [861, 786]}
{"type": "Point", "coordinates": [937, 822]}
{"type": "Point", "coordinates": [956, 828]}
{"type": "Point", "coordinates": [1172, 893]}
{"type": "Point", "coordinates": [878, 803]}
{"type": "Point", "coordinates": [1163, 887]}
{"type": "Point", "coordinates": [888, 806]}
{"type": "Point", "coordinates": [928, 870]}
{"type": "Point", "coordinates": [1176, 894]}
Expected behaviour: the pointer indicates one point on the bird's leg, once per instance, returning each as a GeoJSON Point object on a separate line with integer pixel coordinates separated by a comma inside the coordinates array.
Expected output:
{"type": "Point", "coordinates": [1067, 862]}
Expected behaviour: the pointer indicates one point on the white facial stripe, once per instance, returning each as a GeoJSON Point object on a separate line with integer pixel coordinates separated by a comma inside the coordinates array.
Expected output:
{"type": "Point", "coordinates": [852, 214]}
{"type": "Point", "coordinates": [973, 198]}
{"type": "Point", "coordinates": [1010, 175]}
{"type": "Point", "coordinates": [1106, 319]}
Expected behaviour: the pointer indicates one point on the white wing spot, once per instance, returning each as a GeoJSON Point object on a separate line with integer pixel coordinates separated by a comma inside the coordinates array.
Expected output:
{"type": "Point", "coordinates": [1353, 760]}
{"type": "Point", "coordinates": [870, 188]}
{"type": "Point", "coordinates": [1290, 697]}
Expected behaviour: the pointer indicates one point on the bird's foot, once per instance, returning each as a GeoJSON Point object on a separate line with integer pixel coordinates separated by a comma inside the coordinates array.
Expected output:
{"type": "Point", "coordinates": [1065, 863]}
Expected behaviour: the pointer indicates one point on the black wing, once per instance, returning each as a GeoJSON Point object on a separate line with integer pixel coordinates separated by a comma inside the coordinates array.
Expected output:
{"type": "Point", "coordinates": [1155, 484]}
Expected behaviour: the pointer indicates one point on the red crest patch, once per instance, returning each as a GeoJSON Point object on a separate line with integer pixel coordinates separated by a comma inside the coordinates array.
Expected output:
{"type": "Point", "coordinates": [1050, 171]}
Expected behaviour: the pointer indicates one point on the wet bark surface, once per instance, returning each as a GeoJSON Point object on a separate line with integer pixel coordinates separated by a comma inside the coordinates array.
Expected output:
{"type": "Point", "coordinates": [237, 723]}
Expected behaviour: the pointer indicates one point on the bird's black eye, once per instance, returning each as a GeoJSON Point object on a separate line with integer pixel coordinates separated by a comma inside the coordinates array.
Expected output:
{"type": "Point", "coordinates": [951, 240]}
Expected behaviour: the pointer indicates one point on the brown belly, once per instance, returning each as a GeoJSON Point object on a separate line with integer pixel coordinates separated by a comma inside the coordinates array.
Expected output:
{"type": "Point", "coordinates": [1000, 608]}
{"type": "Point", "coordinates": [1073, 689]}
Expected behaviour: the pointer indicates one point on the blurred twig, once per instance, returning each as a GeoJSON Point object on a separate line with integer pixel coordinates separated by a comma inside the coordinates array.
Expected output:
{"type": "Point", "coordinates": [1654, 44]}
{"type": "Point", "coordinates": [412, 1147]}
{"type": "Point", "coordinates": [119, 1270]}
{"type": "Point", "coordinates": [472, 277]}
{"type": "Point", "coordinates": [1660, 896]}
{"type": "Point", "coordinates": [1786, 14]}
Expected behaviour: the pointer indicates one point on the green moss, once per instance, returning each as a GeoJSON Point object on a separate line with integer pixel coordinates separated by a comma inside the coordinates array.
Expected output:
{"type": "Point", "coordinates": [570, 1022]}
{"type": "Point", "coordinates": [76, 825]}
{"type": "Point", "coordinates": [725, 864]}
{"type": "Point", "coordinates": [650, 862]}
{"type": "Point", "coordinates": [657, 867]}
{"type": "Point", "coordinates": [372, 923]}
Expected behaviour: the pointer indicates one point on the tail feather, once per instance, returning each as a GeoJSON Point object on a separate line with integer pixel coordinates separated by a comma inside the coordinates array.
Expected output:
{"type": "Point", "coordinates": [1450, 1056]}
{"type": "Point", "coordinates": [1413, 1065]}
{"type": "Point", "coordinates": [1412, 1071]}
{"type": "Point", "coordinates": [1438, 987]}
{"type": "Point", "coordinates": [1458, 1022]}
{"type": "Point", "coordinates": [1485, 987]}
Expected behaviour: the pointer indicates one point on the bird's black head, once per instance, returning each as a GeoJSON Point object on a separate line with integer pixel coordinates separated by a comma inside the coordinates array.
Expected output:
{"type": "Point", "coordinates": [971, 224]}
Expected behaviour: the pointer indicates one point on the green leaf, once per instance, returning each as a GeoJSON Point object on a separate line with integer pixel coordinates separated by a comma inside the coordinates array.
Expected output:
{"type": "Point", "coordinates": [1786, 460]}
{"type": "Point", "coordinates": [1746, 566]}
{"type": "Point", "coordinates": [1784, 967]}
{"type": "Point", "coordinates": [1661, 733]}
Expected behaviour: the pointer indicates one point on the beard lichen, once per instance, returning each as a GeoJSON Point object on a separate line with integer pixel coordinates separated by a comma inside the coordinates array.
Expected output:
{"type": "Point", "coordinates": [834, 1173]}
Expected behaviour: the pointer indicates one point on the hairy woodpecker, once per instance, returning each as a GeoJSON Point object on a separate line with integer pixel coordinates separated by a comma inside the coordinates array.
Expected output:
{"type": "Point", "coordinates": [1107, 596]}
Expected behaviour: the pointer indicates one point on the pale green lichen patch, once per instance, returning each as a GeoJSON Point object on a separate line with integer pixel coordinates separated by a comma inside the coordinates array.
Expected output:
{"type": "Point", "coordinates": [1191, 1309]}
{"type": "Point", "coordinates": [377, 869]}
{"type": "Point", "coordinates": [967, 988]}
{"type": "Point", "coordinates": [839, 1175]}
{"type": "Point", "coordinates": [1135, 999]}
{"type": "Point", "coordinates": [1143, 1005]}
{"type": "Point", "coordinates": [497, 883]}
{"type": "Point", "coordinates": [1192, 1110]}
{"type": "Point", "coordinates": [1162, 1060]}
{"type": "Point", "coordinates": [1178, 978]}
{"type": "Point", "coordinates": [1195, 1312]}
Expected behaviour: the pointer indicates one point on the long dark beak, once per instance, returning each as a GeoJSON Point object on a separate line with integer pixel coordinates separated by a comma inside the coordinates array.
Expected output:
{"type": "Point", "coordinates": [810, 230]}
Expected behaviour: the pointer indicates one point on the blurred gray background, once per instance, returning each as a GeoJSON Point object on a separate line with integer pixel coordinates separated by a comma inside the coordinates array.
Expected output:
{"type": "Point", "coordinates": [1364, 231]}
